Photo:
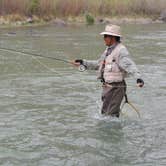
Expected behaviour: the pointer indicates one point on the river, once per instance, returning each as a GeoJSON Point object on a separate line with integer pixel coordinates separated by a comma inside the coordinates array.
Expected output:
{"type": "Point", "coordinates": [50, 112]}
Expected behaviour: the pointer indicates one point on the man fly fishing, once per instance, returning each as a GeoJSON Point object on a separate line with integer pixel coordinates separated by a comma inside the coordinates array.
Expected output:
{"type": "Point", "coordinates": [113, 67]}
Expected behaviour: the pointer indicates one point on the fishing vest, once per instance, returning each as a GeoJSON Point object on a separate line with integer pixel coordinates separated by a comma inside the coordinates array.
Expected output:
{"type": "Point", "coordinates": [112, 71]}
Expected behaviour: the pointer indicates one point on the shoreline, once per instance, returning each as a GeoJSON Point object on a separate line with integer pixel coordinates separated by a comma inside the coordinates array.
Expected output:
{"type": "Point", "coordinates": [11, 21]}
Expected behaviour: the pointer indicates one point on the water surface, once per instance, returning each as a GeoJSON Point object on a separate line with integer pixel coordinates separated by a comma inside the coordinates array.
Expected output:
{"type": "Point", "coordinates": [50, 112]}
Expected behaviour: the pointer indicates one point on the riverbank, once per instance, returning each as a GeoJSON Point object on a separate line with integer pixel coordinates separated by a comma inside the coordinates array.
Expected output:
{"type": "Point", "coordinates": [58, 12]}
{"type": "Point", "coordinates": [18, 20]}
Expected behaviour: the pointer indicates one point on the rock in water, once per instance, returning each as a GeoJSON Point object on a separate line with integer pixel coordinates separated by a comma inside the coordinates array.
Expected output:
{"type": "Point", "coordinates": [163, 16]}
{"type": "Point", "coordinates": [59, 22]}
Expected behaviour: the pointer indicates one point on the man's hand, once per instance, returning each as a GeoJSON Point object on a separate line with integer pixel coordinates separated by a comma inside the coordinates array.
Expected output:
{"type": "Point", "coordinates": [140, 82]}
{"type": "Point", "coordinates": [80, 64]}
{"type": "Point", "coordinates": [77, 62]}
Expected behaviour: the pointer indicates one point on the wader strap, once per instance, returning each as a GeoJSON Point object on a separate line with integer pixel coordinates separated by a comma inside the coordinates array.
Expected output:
{"type": "Point", "coordinates": [126, 99]}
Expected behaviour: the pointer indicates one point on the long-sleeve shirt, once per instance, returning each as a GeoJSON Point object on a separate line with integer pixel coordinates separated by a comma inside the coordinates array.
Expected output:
{"type": "Point", "coordinates": [125, 63]}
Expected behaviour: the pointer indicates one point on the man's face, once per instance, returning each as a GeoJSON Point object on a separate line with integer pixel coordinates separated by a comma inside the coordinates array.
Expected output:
{"type": "Point", "coordinates": [109, 40]}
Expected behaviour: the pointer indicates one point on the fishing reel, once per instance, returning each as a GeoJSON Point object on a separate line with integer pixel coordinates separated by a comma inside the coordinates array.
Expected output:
{"type": "Point", "coordinates": [81, 67]}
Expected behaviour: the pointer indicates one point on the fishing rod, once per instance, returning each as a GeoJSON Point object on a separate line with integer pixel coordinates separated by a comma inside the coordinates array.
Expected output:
{"type": "Point", "coordinates": [81, 67]}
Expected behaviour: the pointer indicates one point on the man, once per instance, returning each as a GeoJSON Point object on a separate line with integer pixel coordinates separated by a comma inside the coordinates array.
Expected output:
{"type": "Point", "coordinates": [113, 67]}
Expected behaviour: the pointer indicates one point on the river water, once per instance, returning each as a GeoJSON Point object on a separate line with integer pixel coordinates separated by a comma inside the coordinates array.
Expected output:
{"type": "Point", "coordinates": [50, 112]}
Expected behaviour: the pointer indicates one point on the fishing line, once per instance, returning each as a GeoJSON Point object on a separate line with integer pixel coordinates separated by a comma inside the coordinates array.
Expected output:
{"type": "Point", "coordinates": [81, 67]}
{"type": "Point", "coordinates": [36, 55]}
{"type": "Point", "coordinates": [45, 66]}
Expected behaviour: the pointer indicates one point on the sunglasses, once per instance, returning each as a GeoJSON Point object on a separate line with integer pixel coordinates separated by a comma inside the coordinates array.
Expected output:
{"type": "Point", "coordinates": [105, 36]}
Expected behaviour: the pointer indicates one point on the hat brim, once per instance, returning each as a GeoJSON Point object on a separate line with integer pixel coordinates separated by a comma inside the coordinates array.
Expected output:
{"type": "Point", "coordinates": [109, 33]}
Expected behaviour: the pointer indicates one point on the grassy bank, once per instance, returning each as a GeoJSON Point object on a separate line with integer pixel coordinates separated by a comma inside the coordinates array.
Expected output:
{"type": "Point", "coordinates": [49, 9]}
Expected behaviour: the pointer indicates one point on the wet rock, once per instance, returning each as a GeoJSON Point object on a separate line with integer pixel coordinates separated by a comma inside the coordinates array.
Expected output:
{"type": "Point", "coordinates": [100, 20]}
{"type": "Point", "coordinates": [19, 23]}
{"type": "Point", "coordinates": [158, 21]}
{"type": "Point", "coordinates": [29, 20]}
{"type": "Point", "coordinates": [59, 22]}
{"type": "Point", "coordinates": [108, 21]}
{"type": "Point", "coordinates": [2, 21]}
{"type": "Point", "coordinates": [143, 21]}
{"type": "Point", "coordinates": [163, 16]}
{"type": "Point", "coordinates": [103, 20]}
{"type": "Point", "coordinates": [124, 20]}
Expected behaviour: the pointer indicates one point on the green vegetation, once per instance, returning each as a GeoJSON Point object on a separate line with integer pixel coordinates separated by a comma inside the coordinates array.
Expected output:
{"type": "Point", "coordinates": [89, 19]}
{"type": "Point", "coordinates": [34, 7]}
{"type": "Point", "coordinates": [74, 8]}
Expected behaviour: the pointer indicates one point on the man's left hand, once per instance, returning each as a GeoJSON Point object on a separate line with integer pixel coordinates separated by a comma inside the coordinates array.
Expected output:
{"type": "Point", "coordinates": [140, 82]}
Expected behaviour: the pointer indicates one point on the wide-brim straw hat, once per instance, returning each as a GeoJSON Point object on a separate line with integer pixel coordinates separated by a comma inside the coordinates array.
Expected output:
{"type": "Point", "coordinates": [112, 30]}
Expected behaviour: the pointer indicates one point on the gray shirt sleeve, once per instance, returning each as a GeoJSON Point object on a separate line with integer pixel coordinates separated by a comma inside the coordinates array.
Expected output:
{"type": "Point", "coordinates": [91, 64]}
{"type": "Point", "coordinates": [94, 64]}
{"type": "Point", "coordinates": [127, 64]}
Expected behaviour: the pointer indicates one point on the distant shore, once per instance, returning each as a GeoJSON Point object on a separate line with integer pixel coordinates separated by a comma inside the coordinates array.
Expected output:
{"type": "Point", "coordinates": [58, 12]}
{"type": "Point", "coordinates": [19, 21]}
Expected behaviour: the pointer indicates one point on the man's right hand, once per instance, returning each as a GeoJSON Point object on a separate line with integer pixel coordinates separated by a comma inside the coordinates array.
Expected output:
{"type": "Point", "coordinates": [77, 62]}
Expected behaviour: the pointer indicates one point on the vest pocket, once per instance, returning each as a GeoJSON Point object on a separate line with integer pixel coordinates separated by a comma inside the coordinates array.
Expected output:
{"type": "Point", "coordinates": [115, 67]}
{"type": "Point", "coordinates": [108, 67]}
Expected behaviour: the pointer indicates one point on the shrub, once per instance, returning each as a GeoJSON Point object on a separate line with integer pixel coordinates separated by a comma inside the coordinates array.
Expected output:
{"type": "Point", "coordinates": [89, 19]}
